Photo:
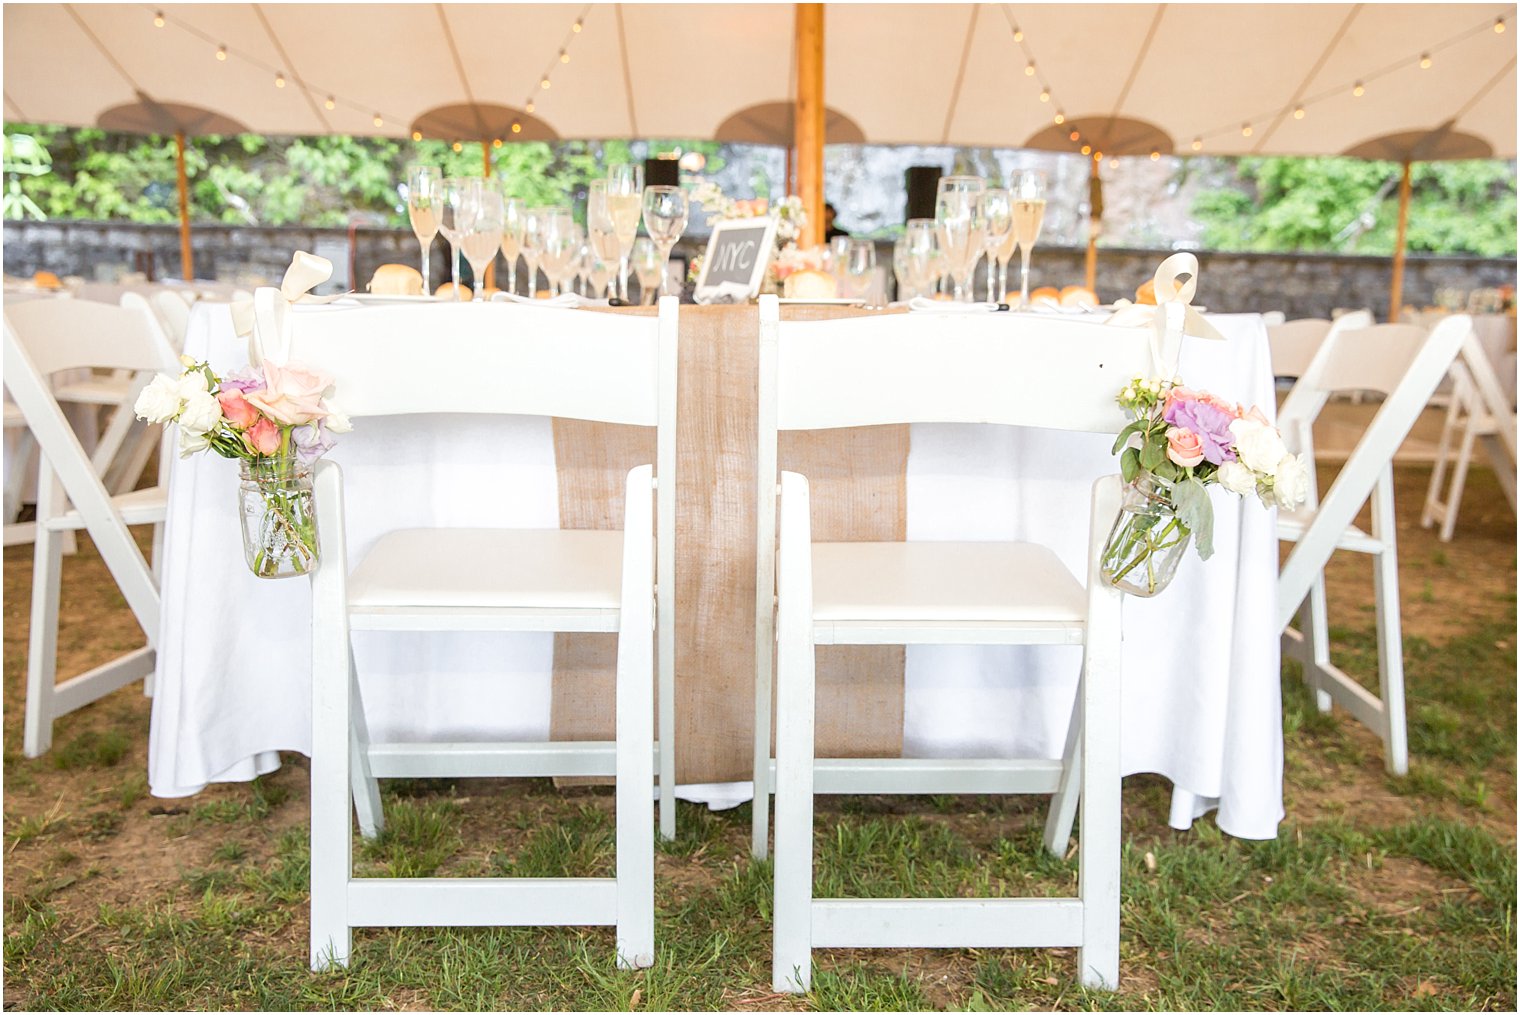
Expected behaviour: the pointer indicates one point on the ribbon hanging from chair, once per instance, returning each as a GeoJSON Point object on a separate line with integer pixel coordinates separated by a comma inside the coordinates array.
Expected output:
{"type": "Point", "coordinates": [1173, 315]}
{"type": "Point", "coordinates": [306, 272]}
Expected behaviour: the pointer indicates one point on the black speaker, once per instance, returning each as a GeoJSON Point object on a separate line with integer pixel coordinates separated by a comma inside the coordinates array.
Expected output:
{"type": "Point", "coordinates": [922, 183]}
{"type": "Point", "coordinates": [662, 172]}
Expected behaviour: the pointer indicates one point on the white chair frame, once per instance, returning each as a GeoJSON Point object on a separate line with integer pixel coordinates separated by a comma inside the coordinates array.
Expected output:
{"type": "Point", "coordinates": [1478, 418]}
{"type": "Point", "coordinates": [41, 339]}
{"type": "Point", "coordinates": [809, 379]}
{"type": "Point", "coordinates": [1406, 364]}
{"type": "Point", "coordinates": [542, 362]}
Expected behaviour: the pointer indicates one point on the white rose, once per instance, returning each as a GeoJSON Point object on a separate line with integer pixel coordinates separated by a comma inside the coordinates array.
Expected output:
{"type": "Point", "coordinates": [190, 443]}
{"type": "Point", "coordinates": [1236, 478]}
{"type": "Point", "coordinates": [191, 382]}
{"type": "Point", "coordinates": [159, 401]}
{"type": "Point", "coordinates": [337, 420]}
{"type": "Point", "coordinates": [1260, 446]}
{"type": "Point", "coordinates": [202, 412]}
{"type": "Point", "coordinates": [1290, 481]}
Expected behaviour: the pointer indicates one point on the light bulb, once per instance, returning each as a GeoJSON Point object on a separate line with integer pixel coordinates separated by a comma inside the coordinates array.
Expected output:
{"type": "Point", "coordinates": [158, 19]}
{"type": "Point", "coordinates": [1424, 61]}
{"type": "Point", "coordinates": [1197, 144]}
{"type": "Point", "coordinates": [1245, 130]}
{"type": "Point", "coordinates": [496, 141]}
{"type": "Point", "coordinates": [416, 135]}
{"type": "Point", "coordinates": [221, 53]}
{"type": "Point", "coordinates": [577, 26]}
{"type": "Point", "coordinates": [1060, 118]}
{"type": "Point", "coordinates": [279, 80]}
{"type": "Point", "coordinates": [564, 57]}
{"type": "Point", "coordinates": [1298, 114]}
{"type": "Point", "coordinates": [1087, 149]}
{"type": "Point", "coordinates": [1075, 135]}
{"type": "Point", "coordinates": [1155, 156]}
{"type": "Point", "coordinates": [1097, 156]}
{"type": "Point", "coordinates": [1045, 95]}
{"type": "Point", "coordinates": [1358, 90]}
{"type": "Point", "coordinates": [1029, 69]}
{"type": "Point", "coordinates": [331, 103]}
{"type": "Point", "coordinates": [1499, 26]}
{"type": "Point", "coordinates": [516, 129]}
{"type": "Point", "coordinates": [530, 106]}
{"type": "Point", "coordinates": [379, 120]}
{"type": "Point", "coordinates": [458, 147]}
{"type": "Point", "coordinates": [1018, 35]}
{"type": "Point", "coordinates": [544, 84]}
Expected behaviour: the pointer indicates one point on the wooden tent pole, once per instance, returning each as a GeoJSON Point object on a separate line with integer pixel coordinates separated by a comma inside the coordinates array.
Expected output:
{"type": "Point", "coordinates": [1094, 217]}
{"type": "Point", "coordinates": [490, 274]}
{"type": "Point", "coordinates": [809, 119]}
{"type": "Point", "coordinates": [1396, 287]}
{"type": "Point", "coordinates": [186, 258]}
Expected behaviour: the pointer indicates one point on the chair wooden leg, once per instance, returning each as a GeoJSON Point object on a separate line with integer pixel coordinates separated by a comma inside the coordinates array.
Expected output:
{"type": "Point", "coordinates": [366, 789]}
{"type": "Point", "coordinates": [1063, 805]}
{"type": "Point", "coordinates": [42, 648]}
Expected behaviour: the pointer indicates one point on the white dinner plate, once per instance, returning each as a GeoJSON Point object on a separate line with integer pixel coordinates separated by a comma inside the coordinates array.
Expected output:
{"type": "Point", "coordinates": [837, 301]}
{"type": "Point", "coordinates": [384, 298]}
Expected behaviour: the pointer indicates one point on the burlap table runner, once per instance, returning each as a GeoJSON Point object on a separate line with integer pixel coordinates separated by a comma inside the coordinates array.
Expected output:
{"type": "Point", "coordinates": [857, 478]}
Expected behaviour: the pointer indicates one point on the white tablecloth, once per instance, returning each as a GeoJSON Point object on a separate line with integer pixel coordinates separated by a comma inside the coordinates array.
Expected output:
{"type": "Point", "coordinates": [1201, 695]}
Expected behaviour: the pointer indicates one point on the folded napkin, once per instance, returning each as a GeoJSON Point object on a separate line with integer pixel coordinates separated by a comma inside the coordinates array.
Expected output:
{"type": "Point", "coordinates": [725, 292]}
{"type": "Point", "coordinates": [924, 305]}
{"type": "Point", "coordinates": [570, 300]}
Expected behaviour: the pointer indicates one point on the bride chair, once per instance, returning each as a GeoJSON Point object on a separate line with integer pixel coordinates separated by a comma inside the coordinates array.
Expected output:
{"type": "Point", "coordinates": [1406, 364]}
{"type": "Point", "coordinates": [42, 339]}
{"type": "Point", "coordinates": [992, 368]}
{"type": "Point", "coordinates": [500, 359]}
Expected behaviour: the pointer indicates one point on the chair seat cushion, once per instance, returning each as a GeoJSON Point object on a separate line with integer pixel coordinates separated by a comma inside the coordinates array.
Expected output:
{"type": "Point", "coordinates": [502, 568]}
{"type": "Point", "coordinates": [933, 581]}
{"type": "Point", "coordinates": [139, 507]}
{"type": "Point", "coordinates": [1291, 526]}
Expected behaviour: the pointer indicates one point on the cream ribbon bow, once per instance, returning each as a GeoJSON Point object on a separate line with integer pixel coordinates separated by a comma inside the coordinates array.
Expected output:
{"type": "Point", "coordinates": [306, 272]}
{"type": "Point", "coordinates": [1173, 315]}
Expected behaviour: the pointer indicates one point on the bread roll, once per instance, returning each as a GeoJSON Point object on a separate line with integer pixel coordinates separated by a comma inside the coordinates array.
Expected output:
{"type": "Point", "coordinates": [447, 290]}
{"type": "Point", "coordinates": [46, 280]}
{"type": "Point", "coordinates": [1146, 293]}
{"type": "Point", "coordinates": [396, 280]}
{"type": "Point", "coordinates": [1078, 296]}
{"type": "Point", "coordinates": [1045, 294]}
{"type": "Point", "coordinates": [811, 285]}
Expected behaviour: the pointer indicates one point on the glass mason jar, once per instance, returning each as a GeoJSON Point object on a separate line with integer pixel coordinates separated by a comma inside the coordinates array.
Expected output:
{"type": "Point", "coordinates": [279, 517]}
{"type": "Point", "coordinates": [1147, 541]}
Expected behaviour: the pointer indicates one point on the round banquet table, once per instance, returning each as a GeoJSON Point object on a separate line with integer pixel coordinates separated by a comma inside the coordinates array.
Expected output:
{"type": "Point", "coordinates": [1200, 676]}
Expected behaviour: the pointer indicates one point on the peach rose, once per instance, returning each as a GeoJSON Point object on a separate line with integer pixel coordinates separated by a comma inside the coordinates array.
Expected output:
{"type": "Point", "coordinates": [1183, 447]}
{"type": "Point", "coordinates": [291, 395]}
{"type": "Point", "coordinates": [236, 409]}
{"type": "Point", "coordinates": [263, 438]}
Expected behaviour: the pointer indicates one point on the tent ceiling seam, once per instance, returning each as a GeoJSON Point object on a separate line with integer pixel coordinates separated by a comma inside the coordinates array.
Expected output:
{"type": "Point", "coordinates": [1134, 71]}
{"type": "Point", "coordinates": [960, 74]}
{"type": "Point", "coordinates": [1479, 95]}
{"type": "Point", "coordinates": [1308, 80]}
{"type": "Point", "coordinates": [633, 120]}
{"type": "Point", "coordinates": [274, 39]}
{"type": "Point", "coordinates": [12, 104]}
{"type": "Point", "coordinates": [464, 79]}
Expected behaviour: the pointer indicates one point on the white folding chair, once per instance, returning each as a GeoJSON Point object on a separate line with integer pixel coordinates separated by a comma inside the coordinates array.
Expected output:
{"type": "Point", "coordinates": [1478, 418]}
{"type": "Point", "coordinates": [1292, 345]}
{"type": "Point", "coordinates": [1404, 363]}
{"type": "Point", "coordinates": [501, 359]}
{"type": "Point", "coordinates": [174, 314]}
{"type": "Point", "coordinates": [912, 368]}
{"type": "Point", "coordinates": [41, 339]}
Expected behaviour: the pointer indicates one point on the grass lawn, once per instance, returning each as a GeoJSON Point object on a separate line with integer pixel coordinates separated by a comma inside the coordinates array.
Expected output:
{"type": "Point", "coordinates": [1377, 893]}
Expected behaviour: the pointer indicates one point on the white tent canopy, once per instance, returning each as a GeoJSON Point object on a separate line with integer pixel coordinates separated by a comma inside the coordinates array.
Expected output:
{"type": "Point", "coordinates": [915, 73]}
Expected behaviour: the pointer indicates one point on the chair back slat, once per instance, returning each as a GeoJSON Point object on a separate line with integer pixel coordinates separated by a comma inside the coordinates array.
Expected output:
{"type": "Point", "coordinates": [70, 334]}
{"type": "Point", "coordinates": [474, 358]}
{"type": "Point", "coordinates": [1308, 397]}
{"type": "Point", "coordinates": [1294, 343]}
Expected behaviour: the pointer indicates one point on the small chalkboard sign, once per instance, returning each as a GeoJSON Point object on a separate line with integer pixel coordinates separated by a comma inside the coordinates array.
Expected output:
{"type": "Point", "coordinates": [737, 254]}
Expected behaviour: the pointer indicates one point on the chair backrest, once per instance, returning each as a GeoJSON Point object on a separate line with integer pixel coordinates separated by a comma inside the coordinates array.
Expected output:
{"type": "Point", "coordinates": [1308, 397]}
{"type": "Point", "coordinates": [174, 311]}
{"type": "Point", "coordinates": [70, 334]}
{"type": "Point", "coordinates": [1406, 364]}
{"type": "Point", "coordinates": [1293, 344]}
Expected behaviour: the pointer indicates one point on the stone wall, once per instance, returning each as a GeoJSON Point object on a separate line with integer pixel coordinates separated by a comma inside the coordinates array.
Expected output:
{"type": "Point", "coordinates": [1300, 285]}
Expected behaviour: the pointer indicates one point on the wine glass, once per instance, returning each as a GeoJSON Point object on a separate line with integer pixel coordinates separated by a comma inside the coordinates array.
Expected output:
{"type": "Point", "coordinates": [860, 267]}
{"type": "Point", "coordinates": [533, 245]}
{"type": "Point", "coordinates": [834, 256]}
{"type": "Point", "coordinates": [625, 195]}
{"type": "Point", "coordinates": [559, 244]}
{"type": "Point", "coordinates": [1028, 192]}
{"type": "Point", "coordinates": [482, 233]}
{"type": "Point", "coordinates": [998, 204]}
{"type": "Point", "coordinates": [647, 263]}
{"type": "Point", "coordinates": [513, 211]}
{"type": "Point", "coordinates": [665, 212]}
{"type": "Point", "coordinates": [454, 214]}
{"type": "Point", "coordinates": [961, 222]}
{"type": "Point", "coordinates": [923, 255]}
{"type": "Point", "coordinates": [422, 194]}
{"type": "Point", "coordinates": [597, 270]}
{"type": "Point", "coordinates": [573, 267]}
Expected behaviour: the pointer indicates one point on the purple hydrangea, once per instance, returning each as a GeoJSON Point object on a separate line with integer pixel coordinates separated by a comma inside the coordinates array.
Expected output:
{"type": "Point", "coordinates": [1210, 423]}
{"type": "Point", "coordinates": [244, 380]}
{"type": "Point", "coordinates": [312, 441]}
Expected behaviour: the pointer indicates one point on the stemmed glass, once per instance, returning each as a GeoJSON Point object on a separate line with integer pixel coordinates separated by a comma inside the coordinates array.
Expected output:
{"type": "Point", "coordinates": [422, 196]}
{"type": "Point", "coordinates": [999, 207]}
{"type": "Point", "coordinates": [665, 211]}
{"type": "Point", "coordinates": [513, 211]}
{"type": "Point", "coordinates": [597, 271]}
{"type": "Point", "coordinates": [646, 266]}
{"type": "Point", "coordinates": [961, 222]}
{"type": "Point", "coordinates": [1028, 192]}
{"type": "Point", "coordinates": [860, 267]}
{"type": "Point", "coordinates": [533, 245]}
{"type": "Point", "coordinates": [559, 244]}
{"type": "Point", "coordinates": [455, 211]}
{"type": "Point", "coordinates": [923, 255]}
{"type": "Point", "coordinates": [481, 233]}
{"type": "Point", "coordinates": [625, 195]}
{"type": "Point", "coordinates": [599, 228]}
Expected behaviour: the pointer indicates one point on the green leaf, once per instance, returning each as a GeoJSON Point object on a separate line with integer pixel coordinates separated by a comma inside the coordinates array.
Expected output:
{"type": "Point", "coordinates": [1154, 451]}
{"type": "Point", "coordinates": [1124, 436]}
{"type": "Point", "coordinates": [1196, 512]}
{"type": "Point", "coordinates": [1129, 464]}
{"type": "Point", "coordinates": [1169, 470]}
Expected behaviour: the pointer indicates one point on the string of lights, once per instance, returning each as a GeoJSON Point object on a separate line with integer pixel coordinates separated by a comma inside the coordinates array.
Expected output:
{"type": "Point", "coordinates": [544, 80]}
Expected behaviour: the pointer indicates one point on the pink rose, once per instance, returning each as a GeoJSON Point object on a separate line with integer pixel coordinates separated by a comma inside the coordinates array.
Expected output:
{"type": "Point", "coordinates": [236, 410]}
{"type": "Point", "coordinates": [292, 395]}
{"type": "Point", "coordinates": [1254, 414]}
{"type": "Point", "coordinates": [1183, 447]}
{"type": "Point", "coordinates": [1218, 403]}
{"type": "Point", "coordinates": [263, 438]}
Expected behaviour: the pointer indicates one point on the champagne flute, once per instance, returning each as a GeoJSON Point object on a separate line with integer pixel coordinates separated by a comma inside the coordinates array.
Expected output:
{"type": "Point", "coordinates": [835, 254]}
{"type": "Point", "coordinates": [960, 220]}
{"type": "Point", "coordinates": [923, 255]}
{"type": "Point", "coordinates": [665, 211]}
{"type": "Point", "coordinates": [902, 268]}
{"type": "Point", "coordinates": [860, 267]}
{"type": "Point", "coordinates": [999, 207]}
{"type": "Point", "coordinates": [596, 270]}
{"type": "Point", "coordinates": [573, 270]}
{"type": "Point", "coordinates": [559, 244]}
{"type": "Point", "coordinates": [514, 211]}
{"type": "Point", "coordinates": [454, 214]}
{"type": "Point", "coordinates": [1028, 193]}
{"type": "Point", "coordinates": [423, 184]}
{"type": "Point", "coordinates": [647, 263]}
{"type": "Point", "coordinates": [625, 194]}
{"type": "Point", "coordinates": [533, 245]}
{"type": "Point", "coordinates": [482, 235]}
{"type": "Point", "coordinates": [599, 228]}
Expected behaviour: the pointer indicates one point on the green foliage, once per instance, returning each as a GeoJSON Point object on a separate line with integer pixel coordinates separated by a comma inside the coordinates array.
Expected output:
{"type": "Point", "coordinates": [1351, 206]}
{"type": "Point", "coordinates": [314, 181]}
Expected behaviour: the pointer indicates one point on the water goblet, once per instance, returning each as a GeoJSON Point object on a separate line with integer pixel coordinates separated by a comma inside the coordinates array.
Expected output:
{"type": "Point", "coordinates": [665, 212]}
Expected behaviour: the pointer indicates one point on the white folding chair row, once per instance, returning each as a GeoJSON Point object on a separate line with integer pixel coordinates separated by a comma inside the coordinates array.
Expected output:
{"type": "Point", "coordinates": [993, 369]}
{"type": "Point", "coordinates": [1478, 418]}
{"type": "Point", "coordinates": [521, 360]}
{"type": "Point", "coordinates": [1292, 345]}
{"type": "Point", "coordinates": [1405, 364]}
{"type": "Point", "coordinates": [43, 338]}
